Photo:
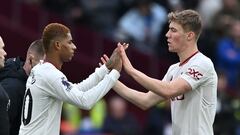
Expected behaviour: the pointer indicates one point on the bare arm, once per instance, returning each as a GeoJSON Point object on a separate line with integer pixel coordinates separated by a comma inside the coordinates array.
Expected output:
{"type": "Point", "coordinates": [140, 99]}
{"type": "Point", "coordinates": [161, 88]}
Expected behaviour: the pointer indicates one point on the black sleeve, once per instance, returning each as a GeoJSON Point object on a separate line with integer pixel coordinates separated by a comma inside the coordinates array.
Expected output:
{"type": "Point", "coordinates": [4, 121]}
{"type": "Point", "coordinates": [15, 89]}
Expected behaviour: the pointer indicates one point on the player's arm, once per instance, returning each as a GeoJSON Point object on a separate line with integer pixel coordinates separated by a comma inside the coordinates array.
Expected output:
{"type": "Point", "coordinates": [140, 99]}
{"type": "Point", "coordinates": [64, 90]}
{"type": "Point", "coordinates": [161, 88]}
{"type": "Point", "coordinates": [93, 79]}
{"type": "Point", "coordinates": [81, 96]}
{"type": "Point", "coordinates": [113, 63]}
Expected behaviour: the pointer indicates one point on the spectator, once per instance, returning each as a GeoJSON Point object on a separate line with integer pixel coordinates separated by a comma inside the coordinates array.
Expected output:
{"type": "Point", "coordinates": [93, 120]}
{"type": "Point", "coordinates": [208, 9]}
{"type": "Point", "coordinates": [71, 10]}
{"type": "Point", "coordinates": [70, 120]}
{"type": "Point", "coordinates": [101, 14]}
{"type": "Point", "coordinates": [223, 19]}
{"type": "Point", "coordinates": [158, 119]}
{"type": "Point", "coordinates": [228, 55]}
{"type": "Point", "coordinates": [225, 123]}
{"type": "Point", "coordinates": [142, 25]}
{"type": "Point", "coordinates": [119, 121]}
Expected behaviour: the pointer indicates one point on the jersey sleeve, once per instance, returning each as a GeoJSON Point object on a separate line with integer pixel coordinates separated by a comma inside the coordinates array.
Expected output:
{"type": "Point", "coordinates": [93, 79]}
{"type": "Point", "coordinates": [167, 77]}
{"type": "Point", "coordinates": [195, 75]}
{"type": "Point", "coordinates": [78, 94]}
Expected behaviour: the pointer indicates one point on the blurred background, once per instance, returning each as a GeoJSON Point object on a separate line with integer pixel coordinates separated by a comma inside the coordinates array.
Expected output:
{"type": "Point", "coordinates": [97, 26]}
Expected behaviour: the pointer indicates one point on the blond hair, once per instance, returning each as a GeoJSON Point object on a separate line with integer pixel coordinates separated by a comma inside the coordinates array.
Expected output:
{"type": "Point", "coordinates": [190, 20]}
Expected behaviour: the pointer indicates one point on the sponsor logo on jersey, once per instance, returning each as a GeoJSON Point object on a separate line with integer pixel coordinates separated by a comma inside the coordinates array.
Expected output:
{"type": "Point", "coordinates": [66, 84]}
{"type": "Point", "coordinates": [194, 74]}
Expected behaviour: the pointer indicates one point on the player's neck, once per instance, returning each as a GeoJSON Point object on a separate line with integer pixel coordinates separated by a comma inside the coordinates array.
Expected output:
{"type": "Point", "coordinates": [53, 60]}
{"type": "Point", "coordinates": [184, 55]}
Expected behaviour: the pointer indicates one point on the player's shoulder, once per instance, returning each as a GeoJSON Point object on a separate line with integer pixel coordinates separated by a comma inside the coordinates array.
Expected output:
{"type": "Point", "coordinates": [43, 66]}
{"type": "Point", "coordinates": [47, 70]}
{"type": "Point", "coordinates": [202, 60]}
{"type": "Point", "coordinates": [173, 66]}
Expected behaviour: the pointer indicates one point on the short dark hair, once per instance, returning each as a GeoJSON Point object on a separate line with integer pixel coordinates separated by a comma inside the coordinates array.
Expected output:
{"type": "Point", "coordinates": [52, 32]}
{"type": "Point", "coordinates": [189, 19]}
{"type": "Point", "coordinates": [37, 46]}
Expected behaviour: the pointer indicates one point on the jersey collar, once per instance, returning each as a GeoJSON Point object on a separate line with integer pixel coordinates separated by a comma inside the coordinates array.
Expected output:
{"type": "Point", "coordinates": [186, 60]}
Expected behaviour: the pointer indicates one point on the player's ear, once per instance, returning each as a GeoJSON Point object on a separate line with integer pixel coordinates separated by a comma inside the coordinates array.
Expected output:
{"type": "Point", "coordinates": [190, 35]}
{"type": "Point", "coordinates": [57, 44]}
{"type": "Point", "coordinates": [28, 63]}
{"type": "Point", "coordinates": [30, 59]}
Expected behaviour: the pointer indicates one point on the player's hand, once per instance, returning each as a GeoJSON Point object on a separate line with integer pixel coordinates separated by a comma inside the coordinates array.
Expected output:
{"type": "Point", "coordinates": [115, 61]}
{"type": "Point", "coordinates": [104, 60]}
{"type": "Point", "coordinates": [126, 62]}
{"type": "Point", "coordinates": [117, 66]}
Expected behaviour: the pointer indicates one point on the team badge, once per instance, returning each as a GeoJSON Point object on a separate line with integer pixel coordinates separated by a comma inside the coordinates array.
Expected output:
{"type": "Point", "coordinates": [66, 84]}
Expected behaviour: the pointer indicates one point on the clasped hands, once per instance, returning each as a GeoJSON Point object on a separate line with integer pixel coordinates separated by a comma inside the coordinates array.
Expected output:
{"type": "Point", "coordinates": [117, 59]}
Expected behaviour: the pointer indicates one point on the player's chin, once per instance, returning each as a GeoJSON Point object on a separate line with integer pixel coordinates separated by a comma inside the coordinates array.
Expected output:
{"type": "Point", "coordinates": [68, 59]}
{"type": "Point", "coordinates": [1, 64]}
{"type": "Point", "coordinates": [170, 49]}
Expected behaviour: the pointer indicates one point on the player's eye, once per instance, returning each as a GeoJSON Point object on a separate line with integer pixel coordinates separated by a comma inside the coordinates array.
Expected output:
{"type": "Point", "coordinates": [173, 30]}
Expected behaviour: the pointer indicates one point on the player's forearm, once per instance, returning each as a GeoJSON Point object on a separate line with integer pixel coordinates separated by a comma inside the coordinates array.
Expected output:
{"type": "Point", "coordinates": [93, 79]}
{"type": "Point", "coordinates": [93, 95]}
{"type": "Point", "coordinates": [137, 98]}
{"type": "Point", "coordinates": [161, 88]}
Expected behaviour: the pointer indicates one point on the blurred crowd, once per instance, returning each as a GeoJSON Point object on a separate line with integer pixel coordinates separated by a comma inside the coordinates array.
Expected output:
{"type": "Point", "coordinates": [143, 24]}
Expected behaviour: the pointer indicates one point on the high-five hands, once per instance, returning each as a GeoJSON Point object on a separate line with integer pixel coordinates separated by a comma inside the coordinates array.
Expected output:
{"type": "Point", "coordinates": [126, 62]}
{"type": "Point", "coordinates": [115, 61]}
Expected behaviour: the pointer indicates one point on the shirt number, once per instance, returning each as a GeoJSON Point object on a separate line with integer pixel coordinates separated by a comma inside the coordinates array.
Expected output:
{"type": "Point", "coordinates": [27, 107]}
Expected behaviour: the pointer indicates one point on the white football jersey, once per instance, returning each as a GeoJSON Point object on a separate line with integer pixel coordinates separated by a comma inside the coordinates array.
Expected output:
{"type": "Point", "coordinates": [46, 90]}
{"type": "Point", "coordinates": [193, 113]}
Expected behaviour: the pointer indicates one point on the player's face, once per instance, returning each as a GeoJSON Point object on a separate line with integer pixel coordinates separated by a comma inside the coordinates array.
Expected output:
{"type": "Point", "coordinates": [176, 37]}
{"type": "Point", "coordinates": [67, 48]}
{"type": "Point", "coordinates": [2, 53]}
